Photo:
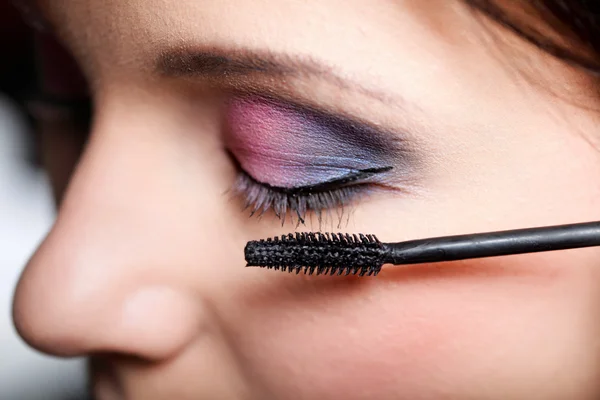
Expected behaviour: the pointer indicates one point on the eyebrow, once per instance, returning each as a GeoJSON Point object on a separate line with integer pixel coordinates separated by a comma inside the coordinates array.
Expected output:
{"type": "Point", "coordinates": [239, 63]}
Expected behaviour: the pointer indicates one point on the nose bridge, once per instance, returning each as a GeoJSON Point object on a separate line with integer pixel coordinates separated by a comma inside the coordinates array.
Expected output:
{"type": "Point", "coordinates": [105, 278]}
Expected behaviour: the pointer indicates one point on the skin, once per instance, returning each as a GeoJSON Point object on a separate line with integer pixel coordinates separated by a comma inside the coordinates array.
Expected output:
{"type": "Point", "coordinates": [143, 268]}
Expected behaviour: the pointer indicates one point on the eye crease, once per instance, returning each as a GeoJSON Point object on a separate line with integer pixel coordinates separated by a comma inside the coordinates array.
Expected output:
{"type": "Point", "coordinates": [294, 159]}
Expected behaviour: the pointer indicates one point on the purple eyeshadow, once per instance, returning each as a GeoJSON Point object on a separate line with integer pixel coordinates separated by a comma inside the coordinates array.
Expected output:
{"type": "Point", "coordinates": [289, 147]}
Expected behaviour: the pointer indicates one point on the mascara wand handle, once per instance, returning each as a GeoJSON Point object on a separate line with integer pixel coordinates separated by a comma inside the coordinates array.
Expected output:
{"type": "Point", "coordinates": [493, 244]}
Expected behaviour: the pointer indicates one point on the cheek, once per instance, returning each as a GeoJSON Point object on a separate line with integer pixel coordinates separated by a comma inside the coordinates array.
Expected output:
{"type": "Point", "coordinates": [420, 332]}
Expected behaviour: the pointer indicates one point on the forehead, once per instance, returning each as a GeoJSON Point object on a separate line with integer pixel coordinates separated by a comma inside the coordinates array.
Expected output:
{"type": "Point", "coordinates": [153, 23]}
{"type": "Point", "coordinates": [343, 32]}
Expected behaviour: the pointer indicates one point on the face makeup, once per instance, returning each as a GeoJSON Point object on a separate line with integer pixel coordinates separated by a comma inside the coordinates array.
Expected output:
{"type": "Point", "coordinates": [288, 146]}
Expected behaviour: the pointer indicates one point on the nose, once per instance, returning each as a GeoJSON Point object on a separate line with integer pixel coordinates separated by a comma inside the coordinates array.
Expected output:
{"type": "Point", "coordinates": [112, 275]}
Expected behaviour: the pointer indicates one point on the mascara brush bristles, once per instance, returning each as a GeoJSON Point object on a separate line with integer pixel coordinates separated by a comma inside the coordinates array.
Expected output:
{"type": "Point", "coordinates": [331, 270]}
{"type": "Point", "coordinates": [318, 254]}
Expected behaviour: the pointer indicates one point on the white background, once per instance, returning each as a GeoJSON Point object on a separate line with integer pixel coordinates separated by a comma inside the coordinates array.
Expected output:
{"type": "Point", "coordinates": [26, 214]}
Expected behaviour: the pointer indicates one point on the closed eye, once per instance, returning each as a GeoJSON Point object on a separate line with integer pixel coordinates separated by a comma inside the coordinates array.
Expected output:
{"type": "Point", "coordinates": [295, 160]}
{"type": "Point", "coordinates": [299, 201]}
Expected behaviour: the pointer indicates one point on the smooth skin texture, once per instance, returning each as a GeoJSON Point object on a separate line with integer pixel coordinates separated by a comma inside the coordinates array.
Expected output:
{"type": "Point", "coordinates": [144, 267]}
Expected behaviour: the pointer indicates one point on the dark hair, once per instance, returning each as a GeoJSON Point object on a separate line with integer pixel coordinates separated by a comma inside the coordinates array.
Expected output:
{"type": "Point", "coordinates": [566, 29]}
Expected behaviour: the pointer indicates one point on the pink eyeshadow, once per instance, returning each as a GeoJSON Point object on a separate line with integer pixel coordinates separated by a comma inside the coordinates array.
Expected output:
{"type": "Point", "coordinates": [286, 147]}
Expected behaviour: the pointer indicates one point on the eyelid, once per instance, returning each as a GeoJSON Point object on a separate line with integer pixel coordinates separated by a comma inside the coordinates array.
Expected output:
{"type": "Point", "coordinates": [286, 146]}
{"type": "Point", "coordinates": [403, 143]}
{"type": "Point", "coordinates": [295, 102]}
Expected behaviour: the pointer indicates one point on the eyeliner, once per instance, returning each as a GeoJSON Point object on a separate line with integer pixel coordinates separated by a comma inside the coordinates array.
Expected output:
{"type": "Point", "coordinates": [337, 253]}
{"type": "Point", "coordinates": [361, 176]}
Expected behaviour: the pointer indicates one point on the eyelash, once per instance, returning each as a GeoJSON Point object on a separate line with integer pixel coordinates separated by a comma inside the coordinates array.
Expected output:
{"type": "Point", "coordinates": [297, 203]}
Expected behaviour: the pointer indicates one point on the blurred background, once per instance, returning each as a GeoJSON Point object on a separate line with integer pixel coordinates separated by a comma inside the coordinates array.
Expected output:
{"type": "Point", "coordinates": [26, 214]}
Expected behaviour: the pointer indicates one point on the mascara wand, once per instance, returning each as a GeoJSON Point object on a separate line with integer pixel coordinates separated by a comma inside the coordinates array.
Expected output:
{"type": "Point", "coordinates": [337, 253]}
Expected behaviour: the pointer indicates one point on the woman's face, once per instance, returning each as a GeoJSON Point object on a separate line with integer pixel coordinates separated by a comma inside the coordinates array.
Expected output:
{"type": "Point", "coordinates": [144, 268]}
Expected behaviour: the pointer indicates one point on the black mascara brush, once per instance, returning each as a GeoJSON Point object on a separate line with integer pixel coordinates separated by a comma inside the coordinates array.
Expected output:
{"type": "Point", "coordinates": [336, 253]}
